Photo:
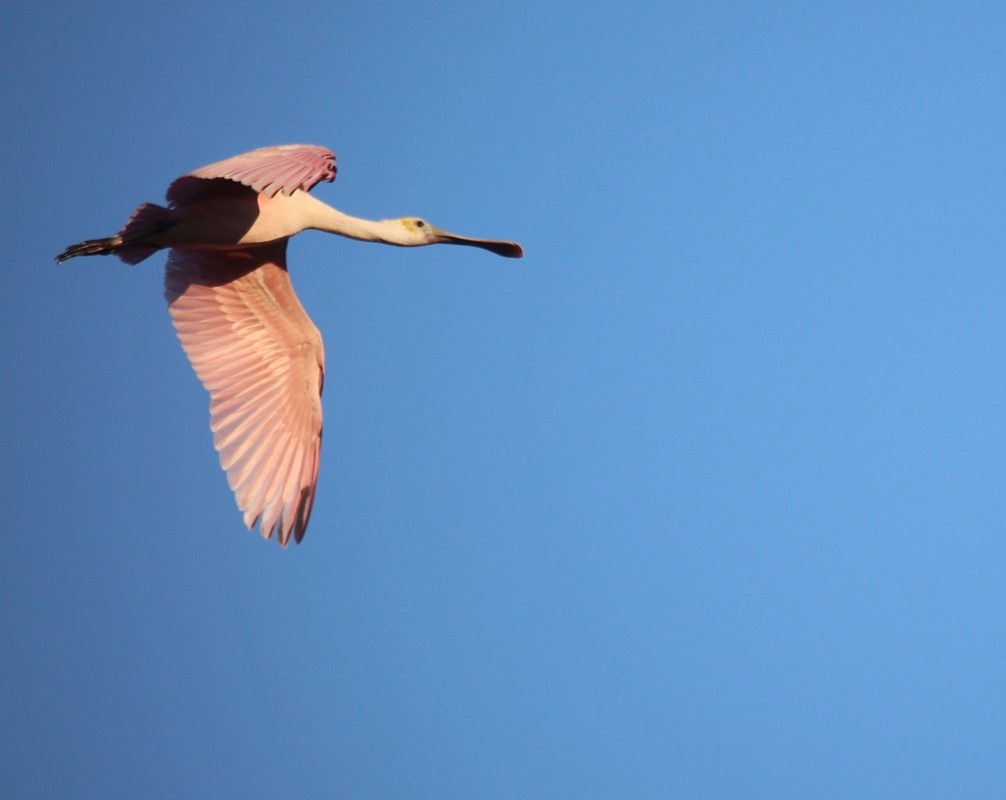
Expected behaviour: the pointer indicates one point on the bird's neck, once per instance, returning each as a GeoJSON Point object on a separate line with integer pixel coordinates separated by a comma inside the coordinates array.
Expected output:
{"type": "Point", "coordinates": [321, 216]}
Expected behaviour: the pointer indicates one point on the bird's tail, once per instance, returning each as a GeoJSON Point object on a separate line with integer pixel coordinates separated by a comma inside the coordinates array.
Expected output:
{"type": "Point", "coordinates": [148, 218]}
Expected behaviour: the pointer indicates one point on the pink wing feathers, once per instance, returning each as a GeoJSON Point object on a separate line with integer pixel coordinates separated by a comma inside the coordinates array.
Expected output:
{"type": "Point", "coordinates": [256, 350]}
{"type": "Point", "coordinates": [268, 170]}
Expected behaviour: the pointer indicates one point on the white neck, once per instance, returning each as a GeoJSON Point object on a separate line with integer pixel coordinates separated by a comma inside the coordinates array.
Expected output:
{"type": "Point", "coordinates": [322, 217]}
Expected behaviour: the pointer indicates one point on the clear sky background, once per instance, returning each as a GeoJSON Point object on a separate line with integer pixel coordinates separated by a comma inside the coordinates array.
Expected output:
{"type": "Point", "coordinates": [704, 498]}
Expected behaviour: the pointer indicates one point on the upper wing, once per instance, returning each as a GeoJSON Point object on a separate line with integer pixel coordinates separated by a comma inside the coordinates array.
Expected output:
{"type": "Point", "coordinates": [256, 350]}
{"type": "Point", "coordinates": [268, 170]}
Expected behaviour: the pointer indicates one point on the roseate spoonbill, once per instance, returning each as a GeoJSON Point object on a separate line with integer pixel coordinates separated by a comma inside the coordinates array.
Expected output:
{"type": "Point", "coordinates": [235, 311]}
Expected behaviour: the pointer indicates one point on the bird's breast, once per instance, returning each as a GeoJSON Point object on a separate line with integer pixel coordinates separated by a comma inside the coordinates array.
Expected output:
{"type": "Point", "coordinates": [239, 217]}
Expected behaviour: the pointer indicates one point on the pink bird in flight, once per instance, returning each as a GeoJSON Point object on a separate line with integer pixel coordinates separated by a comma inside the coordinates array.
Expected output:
{"type": "Point", "coordinates": [249, 339]}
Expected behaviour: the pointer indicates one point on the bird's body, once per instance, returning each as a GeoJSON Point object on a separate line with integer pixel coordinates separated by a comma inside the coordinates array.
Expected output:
{"type": "Point", "coordinates": [248, 337]}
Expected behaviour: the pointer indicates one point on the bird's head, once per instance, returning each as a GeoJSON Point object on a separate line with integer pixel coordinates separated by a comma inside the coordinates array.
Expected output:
{"type": "Point", "coordinates": [415, 232]}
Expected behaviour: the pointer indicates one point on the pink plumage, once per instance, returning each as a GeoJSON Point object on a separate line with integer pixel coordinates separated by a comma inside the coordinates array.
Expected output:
{"type": "Point", "coordinates": [262, 360]}
{"type": "Point", "coordinates": [268, 170]}
{"type": "Point", "coordinates": [254, 347]}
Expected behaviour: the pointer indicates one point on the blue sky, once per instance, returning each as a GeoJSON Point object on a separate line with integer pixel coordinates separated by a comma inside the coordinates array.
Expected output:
{"type": "Point", "coordinates": [701, 499]}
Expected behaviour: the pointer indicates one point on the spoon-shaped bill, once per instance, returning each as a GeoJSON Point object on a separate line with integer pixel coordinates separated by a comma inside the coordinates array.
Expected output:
{"type": "Point", "coordinates": [505, 249]}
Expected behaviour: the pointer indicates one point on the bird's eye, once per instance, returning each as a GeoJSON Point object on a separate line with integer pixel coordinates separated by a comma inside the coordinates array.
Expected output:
{"type": "Point", "coordinates": [420, 223]}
